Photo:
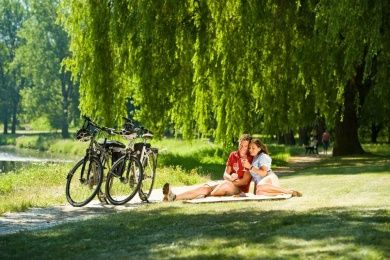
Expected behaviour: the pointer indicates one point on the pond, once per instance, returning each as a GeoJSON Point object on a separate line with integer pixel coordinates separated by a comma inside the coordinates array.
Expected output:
{"type": "Point", "coordinates": [12, 158]}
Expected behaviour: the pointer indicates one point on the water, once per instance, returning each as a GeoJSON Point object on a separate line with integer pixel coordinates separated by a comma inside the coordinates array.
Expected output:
{"type": "Point", "coordinates": [12, 158]}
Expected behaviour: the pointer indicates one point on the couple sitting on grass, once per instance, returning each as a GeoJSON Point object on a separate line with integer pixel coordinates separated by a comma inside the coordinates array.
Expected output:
{"type": "Point", "coordinates": [251, 161]}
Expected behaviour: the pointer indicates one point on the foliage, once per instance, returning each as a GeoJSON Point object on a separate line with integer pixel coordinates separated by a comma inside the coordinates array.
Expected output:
{"type": "Point", "coordinates": [12, 15]}
{"type": "Point", "coordinates": [7, 139]}
{"type": "Point", "coordinates": [51, 93]}
{"type": "Point", "coordinates": [40, 124]}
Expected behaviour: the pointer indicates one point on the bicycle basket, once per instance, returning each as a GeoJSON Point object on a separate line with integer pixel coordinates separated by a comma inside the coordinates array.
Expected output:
{"type": "Point", "coordinates": [138, 149]}
{"type": "Point", "coordinates": [116, 154]}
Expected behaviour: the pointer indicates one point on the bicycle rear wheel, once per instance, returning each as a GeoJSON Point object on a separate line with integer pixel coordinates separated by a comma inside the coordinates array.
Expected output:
{"type": "Point", "coordinates": [123, 180]}
{"type": "Point", "coordinates": [84, 181]}
{"type": "Point", "coordinates": [150, 165]}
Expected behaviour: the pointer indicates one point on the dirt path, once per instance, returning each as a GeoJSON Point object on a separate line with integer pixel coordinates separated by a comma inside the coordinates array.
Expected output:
{"type": "Point", "coordinates": [42, 218]}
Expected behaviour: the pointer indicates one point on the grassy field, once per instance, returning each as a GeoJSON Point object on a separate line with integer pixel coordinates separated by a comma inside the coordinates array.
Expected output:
{"type": "Point", "coordinates": [344, 213]}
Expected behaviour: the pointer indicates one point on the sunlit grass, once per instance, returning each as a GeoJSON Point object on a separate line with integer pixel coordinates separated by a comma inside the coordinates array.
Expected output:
{"type": "Point", "coordinates": [344, 213]}
{"type": "Point", "coordinates": [39, 185]}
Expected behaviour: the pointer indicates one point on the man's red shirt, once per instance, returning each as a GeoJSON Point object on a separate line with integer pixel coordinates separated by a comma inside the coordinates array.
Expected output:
{"type": "Point", "coordinates": [234, 157]}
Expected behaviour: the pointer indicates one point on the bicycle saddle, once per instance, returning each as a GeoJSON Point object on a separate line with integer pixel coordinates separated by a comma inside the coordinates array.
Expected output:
{"type": "Point", "coordinates": [116, 144]}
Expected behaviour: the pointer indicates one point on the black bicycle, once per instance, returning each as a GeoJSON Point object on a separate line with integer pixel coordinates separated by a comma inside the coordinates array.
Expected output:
{"type": "Point", "coordinates": [85, 179]}
{"type": "Point", "coordinates": [135, 171]}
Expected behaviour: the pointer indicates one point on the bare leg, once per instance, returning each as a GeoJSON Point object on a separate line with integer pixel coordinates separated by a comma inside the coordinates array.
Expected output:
{"type": "Point", "coordinates": [195, 193]}
{"type": "Point", "coordinates": [225, 189]}
{"type": "Point", "coordinates": [271, 190]}
{"type": "Point", "coordinates": [270, 186]}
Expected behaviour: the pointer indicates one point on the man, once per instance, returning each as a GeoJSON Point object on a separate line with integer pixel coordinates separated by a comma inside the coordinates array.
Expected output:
{"type": "Point", "coordinates": [236, 178]}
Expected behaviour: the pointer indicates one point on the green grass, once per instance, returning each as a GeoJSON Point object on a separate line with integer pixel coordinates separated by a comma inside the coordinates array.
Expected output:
{"type": "Point", "coordinates": [331, 222]}
{"type": "Point", "coordinates": [344, 213]}
{"type": "Point", "coordinates": [39, 185]}
{"type": "Point", "coordinates": [212, 231]}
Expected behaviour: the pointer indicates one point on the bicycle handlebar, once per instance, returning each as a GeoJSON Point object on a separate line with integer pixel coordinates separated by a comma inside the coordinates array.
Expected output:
{"type": "Point", "coordinates": [128, 129]}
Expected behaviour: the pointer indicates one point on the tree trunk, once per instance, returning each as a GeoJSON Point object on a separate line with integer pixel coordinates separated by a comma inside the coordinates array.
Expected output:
{"type": "Point", "coordinates": [388, 135]}
{"type": "Point", "coordinates": [346, 140]}
{"type": "Point", "coordinates": [65, 125]}
{"type": "Point", "coordinates": [289, 138]}
{"type": "Point", "coordinates": [280, 138]}
{"type": "Point", "coordinates": [321, 127]}
{"type": "Point", "coordinates": [14, 118]}
{"type": "Point", "coordinates": [5, 121]}
{"type": "Point", "coordinates": [303, 136]}
{"type": "Point", "coordinates": [375, 129]}
{"type": "Point", "coordinates": [66, 88]}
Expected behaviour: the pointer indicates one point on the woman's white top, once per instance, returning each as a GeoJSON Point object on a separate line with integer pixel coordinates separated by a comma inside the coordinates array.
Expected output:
{"type": "Point", "coordinates": [259, 161]}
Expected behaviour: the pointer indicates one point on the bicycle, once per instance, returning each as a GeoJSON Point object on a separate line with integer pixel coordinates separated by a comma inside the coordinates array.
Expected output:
{"type": "Point", "coordinates": [118, 179]}
{"type": "Point", "coordinates": [84, 180]}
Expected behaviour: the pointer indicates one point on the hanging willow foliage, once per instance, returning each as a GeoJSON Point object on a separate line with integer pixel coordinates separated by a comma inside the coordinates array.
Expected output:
{"type": "Point", "coordinates": [220, 67]}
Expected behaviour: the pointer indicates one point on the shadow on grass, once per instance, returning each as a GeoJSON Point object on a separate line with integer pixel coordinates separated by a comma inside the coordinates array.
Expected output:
{"type": "Point", "coordinates": [168, 232]}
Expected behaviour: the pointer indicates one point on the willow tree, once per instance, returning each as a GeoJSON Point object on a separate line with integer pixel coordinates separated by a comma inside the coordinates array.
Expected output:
{"type": "Point", "coordinates": [227, 67]}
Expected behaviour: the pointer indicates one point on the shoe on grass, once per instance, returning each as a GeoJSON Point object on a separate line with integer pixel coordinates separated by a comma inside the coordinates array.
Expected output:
{"type": "Point", "coordinates": [296, 193]}
{"type": "Point", "coordinates": [168, 194]}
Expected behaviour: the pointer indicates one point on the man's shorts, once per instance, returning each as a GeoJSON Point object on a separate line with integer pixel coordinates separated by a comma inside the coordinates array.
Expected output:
{"type": "Point", "coordinates": [213, 184]}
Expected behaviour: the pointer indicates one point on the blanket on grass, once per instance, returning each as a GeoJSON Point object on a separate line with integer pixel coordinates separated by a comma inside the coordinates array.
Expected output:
{"type": "Point", "coordinates": [248, 197]}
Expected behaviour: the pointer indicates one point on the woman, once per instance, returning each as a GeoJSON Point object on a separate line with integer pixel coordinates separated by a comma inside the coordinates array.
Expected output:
{"type": "Point", "coordinates": [267, 183]}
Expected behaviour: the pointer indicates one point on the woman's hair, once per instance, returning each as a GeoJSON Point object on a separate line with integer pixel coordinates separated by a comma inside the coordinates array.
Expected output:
{"type": "Point", "coordinates": [260, 144]}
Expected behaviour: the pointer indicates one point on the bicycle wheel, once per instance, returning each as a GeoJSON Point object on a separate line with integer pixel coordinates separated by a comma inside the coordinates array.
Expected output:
{"type": "Point", "coordinates": [84, 181]}
{"type": "Point", "coordinates": [149, 165]}
{"type": "Point", "coordinates": [123, 180]}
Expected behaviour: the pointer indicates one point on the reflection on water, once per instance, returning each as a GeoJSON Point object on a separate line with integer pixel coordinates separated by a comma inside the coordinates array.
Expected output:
{"type": "Point", "coordinates": [12, 158]}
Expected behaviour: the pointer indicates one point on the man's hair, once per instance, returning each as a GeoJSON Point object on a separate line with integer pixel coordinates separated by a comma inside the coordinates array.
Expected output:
{"type": "Point", "coordinates": [245, 137]}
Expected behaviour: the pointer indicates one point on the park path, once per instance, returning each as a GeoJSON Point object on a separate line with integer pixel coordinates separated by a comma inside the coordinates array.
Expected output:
{"type": "Point", "coordinates": [42, 218]}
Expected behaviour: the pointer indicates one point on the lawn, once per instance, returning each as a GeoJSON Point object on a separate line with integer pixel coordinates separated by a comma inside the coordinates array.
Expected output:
{"type": "Point", "coordinates": [344, 213]}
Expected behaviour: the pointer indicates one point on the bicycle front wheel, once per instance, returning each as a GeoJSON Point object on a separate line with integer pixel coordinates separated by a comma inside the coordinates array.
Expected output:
{"type": "Point", "coordinates": [123, 180]}
{"type": "Point", "coordinates": [84, 181]}
{"type": "Point", "coordinates": [149, 165]}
